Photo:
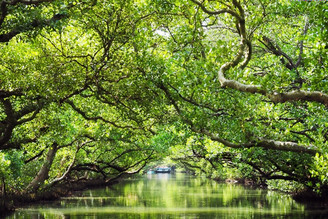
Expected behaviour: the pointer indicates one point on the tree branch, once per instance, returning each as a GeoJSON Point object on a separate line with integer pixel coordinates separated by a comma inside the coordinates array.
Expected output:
{"type": "Point", "coordinates": [6, 37]}
{"type": "Point", "coordinates": [223, 11]}
{"type": "Point", "coordinates": [95, 118]}
{"type": "Point", "coordinates": [34, 157]}
{"type": "Point", "coordinates": [260, 142]}
{"type": "Point", "coordinates": [43, 173]}
{"type": "Point", "coordinates": [297, 95]}
{"type": "Point", "coordinates": [193, 102]}
{"type": "Point", "coordinates": [263, 143]}
{"type": "Point", "coordinates": [301, 43]}
{"type": "Point", "coordinates": [69, 168]}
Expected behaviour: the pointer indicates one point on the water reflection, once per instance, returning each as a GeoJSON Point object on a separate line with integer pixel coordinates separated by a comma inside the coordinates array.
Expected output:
{"type": "Point", "coordinates": [172, 196]}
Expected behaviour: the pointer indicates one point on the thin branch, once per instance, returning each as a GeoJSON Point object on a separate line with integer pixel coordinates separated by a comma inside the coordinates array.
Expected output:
{"type": "Point", "coordinates": [193, 102]}
{"type": "Point", "coordinates": [95, 118]}
{"type": "Point", "coordinates": [301, 43]}
{"type": "Point", "coordinates": [276, 97]}
{"type": "Point", "coordinates": [4, 93]}
{"type": "Point", "coordinates": [223, 11]}
{"type": "Point", "coordinates": [6, 37]}
{"type": "Point", "coordinates": [260, 142]}
{"type": "Point", "coordinates": [69, 168]}
{"type": "Point", "coordinates": [34, 157]}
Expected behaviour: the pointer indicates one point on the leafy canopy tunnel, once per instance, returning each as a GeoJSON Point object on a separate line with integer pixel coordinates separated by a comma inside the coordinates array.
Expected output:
{"type": "Point", "coordinates": [92, 91]}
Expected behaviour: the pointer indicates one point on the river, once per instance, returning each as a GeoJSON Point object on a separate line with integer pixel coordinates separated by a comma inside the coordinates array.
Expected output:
{"type": "Point", "coordinates": [172, 196]}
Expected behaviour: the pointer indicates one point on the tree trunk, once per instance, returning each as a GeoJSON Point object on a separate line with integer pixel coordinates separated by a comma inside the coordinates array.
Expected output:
{"type": "Point", "coordinates": [3, 195]}
{"type": "Point", "coordinates": [43, 174]}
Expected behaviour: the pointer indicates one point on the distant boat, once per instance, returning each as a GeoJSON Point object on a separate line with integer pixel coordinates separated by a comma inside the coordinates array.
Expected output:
{"type": "Point", "coordinates": [150, 171]}
{"type": "Point", "coordinates": [163, 170]}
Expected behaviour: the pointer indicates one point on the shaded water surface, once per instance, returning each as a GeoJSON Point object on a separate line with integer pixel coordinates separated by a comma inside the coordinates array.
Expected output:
{"type": "Point", "coordinates": [172, 196]}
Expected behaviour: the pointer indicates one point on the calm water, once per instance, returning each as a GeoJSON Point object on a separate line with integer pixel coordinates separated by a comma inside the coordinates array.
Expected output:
{"type": "Point", "coordinates": [172, 196]}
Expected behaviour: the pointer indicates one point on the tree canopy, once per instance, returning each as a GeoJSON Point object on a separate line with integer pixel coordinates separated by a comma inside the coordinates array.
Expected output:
{"type": "Point", "coordinates": [95, 90]}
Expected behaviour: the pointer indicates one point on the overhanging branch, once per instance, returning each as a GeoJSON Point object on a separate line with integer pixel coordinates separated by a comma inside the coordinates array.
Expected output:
{"type": "Point", "coordinates": [260, 142]}
{"type": "Point", "coordinates": [95, 118]}
{"type": "Point", "coordinates": [6, 37]}
{"type": "Point", "coordinates": [276, 97]}
{"type": "Point", "coordinates": [263, 143]}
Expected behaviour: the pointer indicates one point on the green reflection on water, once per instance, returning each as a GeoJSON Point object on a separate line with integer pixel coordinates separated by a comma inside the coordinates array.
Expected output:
{"type": "Point", "coordinates": [170, 196]}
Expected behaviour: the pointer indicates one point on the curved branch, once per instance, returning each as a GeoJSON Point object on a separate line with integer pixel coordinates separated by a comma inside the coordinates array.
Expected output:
{"type": "Point", "coordinates": [222, 11]}
{"type": "Point", "coordinates": [248, 55]}
{"type": "Point", "coordinates": [263, 143]}
{"type": "Point", "coordinates": [34, 157]}
{"type": "Point", "coordinates": [312, 96]}
{"type": "Point", "coordinates": [89, 167]}
{"type": "Point", "coordinates": [297, 95]}
{"type": "Point", "coordinates": [35, 109]}
{"type": "Point", "coordinates": [95, 118]}
{"type": "Point", "coordinates": [286, 146]}
{"type": "Point", "coordinates": [123, 153]}
{"type": "Point", "coordinates": [260, 142]}
{"type": "Point", "coordinates": [43, 173]}
{"type": "Point", "coordinates": [18, 143]}
{"type": "Point", "coordinates": [4, 93]}
{"type": "Point", "coordinates": [6, 37]}
{"type": "Point", "coordinates": [193, 102]}
{"type": "Point", "coordinates": [69, 168]}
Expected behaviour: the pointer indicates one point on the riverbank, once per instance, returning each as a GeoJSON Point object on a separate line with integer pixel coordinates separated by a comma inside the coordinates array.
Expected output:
{"type": "Point", "coordinates": [305, 196]}
{"type": "Point", "coordinates": [11, 202]}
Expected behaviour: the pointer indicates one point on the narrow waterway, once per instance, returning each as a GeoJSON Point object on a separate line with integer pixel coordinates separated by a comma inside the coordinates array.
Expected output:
{"type": "Point", "coordinates": [172, 196]}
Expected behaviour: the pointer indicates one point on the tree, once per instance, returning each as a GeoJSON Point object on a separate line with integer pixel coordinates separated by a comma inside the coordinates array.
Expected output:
{"type": "Point", "coordinates": [217, 51]}
{"type": "Point", "coordinates": [94, 90]}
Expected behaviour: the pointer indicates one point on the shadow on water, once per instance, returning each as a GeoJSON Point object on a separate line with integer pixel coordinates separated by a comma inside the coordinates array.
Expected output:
{"type": "Point", "coordinates": [173, 196]}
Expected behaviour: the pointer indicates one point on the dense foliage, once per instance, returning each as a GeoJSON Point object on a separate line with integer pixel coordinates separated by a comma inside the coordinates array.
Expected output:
{"type": "Point", "coordinates": [94, 90]}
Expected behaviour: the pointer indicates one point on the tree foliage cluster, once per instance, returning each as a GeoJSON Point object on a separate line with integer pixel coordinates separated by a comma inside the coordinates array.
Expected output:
{"type": "Point", "coordinates": [98, 89]}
